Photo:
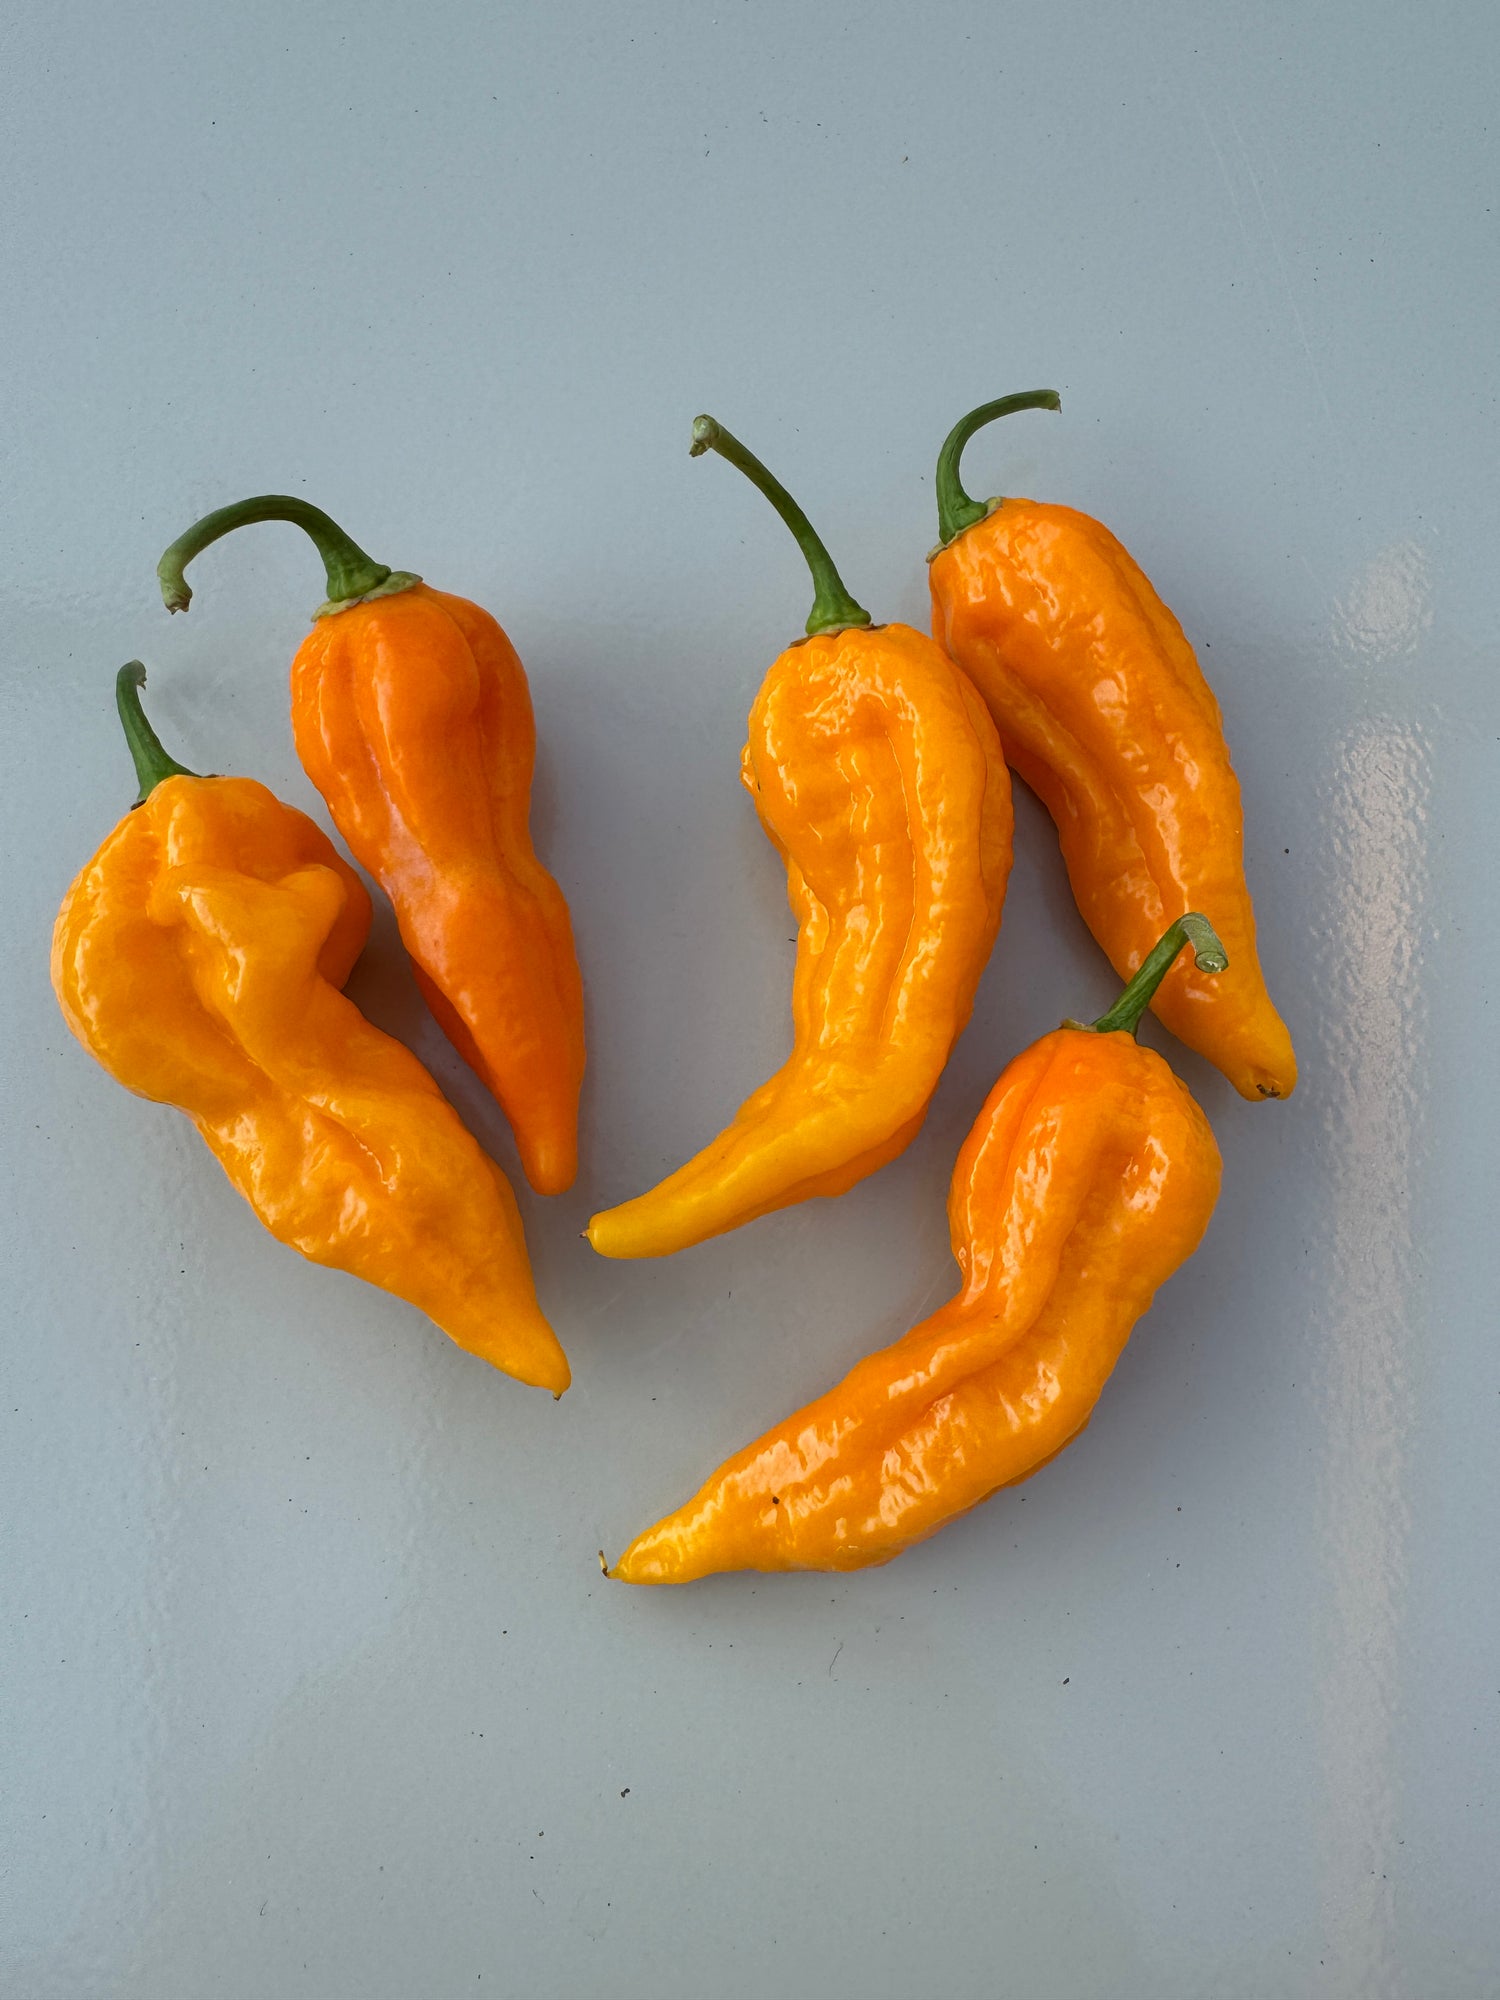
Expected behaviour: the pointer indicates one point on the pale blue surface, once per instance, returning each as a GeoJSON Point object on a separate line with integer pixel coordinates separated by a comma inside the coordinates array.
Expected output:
{"type": "Point", "coordinates": [311, 1686]}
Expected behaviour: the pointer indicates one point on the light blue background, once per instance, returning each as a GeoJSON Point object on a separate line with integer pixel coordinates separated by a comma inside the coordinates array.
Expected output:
{"type": "Point", "coordinates": [312, 1687]}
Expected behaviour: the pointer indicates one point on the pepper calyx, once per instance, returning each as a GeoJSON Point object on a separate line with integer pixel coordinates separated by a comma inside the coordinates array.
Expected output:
{"type": "Point", "coordinates": [152, 763]}
{"type": "Point", "coordinates": [956, 511]}
{"type": "Point", "coordinates": [351, 575]}
{"type": "Point", "coordinates": [397, 581]}
{"type": "Point", "coordinates": [834, 610]}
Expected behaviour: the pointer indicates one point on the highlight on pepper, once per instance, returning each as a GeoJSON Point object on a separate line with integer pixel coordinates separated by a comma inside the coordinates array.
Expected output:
{"type": "Point", "coordinates": [412, 715]}
{"type": "Point", "coordinates": [877, 775]}
{"type": "Point", "coordinates": [1087, 1179]}
{"type": "Point", "coordinates": [1104, 712]}
{"type": "Point", "coordinates": [199, 958]}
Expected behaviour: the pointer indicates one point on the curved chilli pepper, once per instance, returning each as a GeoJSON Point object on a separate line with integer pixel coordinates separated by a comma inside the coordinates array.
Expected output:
{"type": "Point", "coordinates": [199, 957]}
{"type": "Point", "coordinates": [1104, 712]}
{"type": "Point", "coordinates": [411, 714]}
{"type": "Point", "coordinates": [1088, 1178]}
{"type": "Point", "coordinates": [877, 774]}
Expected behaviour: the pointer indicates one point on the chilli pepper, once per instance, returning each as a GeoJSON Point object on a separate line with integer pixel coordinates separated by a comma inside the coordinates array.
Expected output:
{"type": "Point", "coordinates": [1088, 1178]}
{"type": "Point", "coordinates": [412, 716]}
{"type": "Point", "coordinates": [199, 957]}
{"type": "Point", "coordinates": [1105, 713]}
{"type": "Point", "coordinates": [877, 774]}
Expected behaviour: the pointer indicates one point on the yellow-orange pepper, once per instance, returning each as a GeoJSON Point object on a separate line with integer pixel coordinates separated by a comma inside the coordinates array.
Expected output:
{"type": "Point", "coordinates": [412, 716]}
{"type": "Point", "coordinates": [1088, 1178]}
{"type": "Point", "coordinates": [199, 957]}
{"type": "Point", "coordinates": [877, 774]}
{"type": "Point", "coordinates": [1104, 712]}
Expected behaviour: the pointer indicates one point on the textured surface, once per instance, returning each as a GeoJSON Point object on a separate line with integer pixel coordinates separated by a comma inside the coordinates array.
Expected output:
{"type": "Point", "coordinates": [1086, 1181]}
{"type": "Point", "coordinates": [876, 773]}
{"type": "Point", "coordinates": [311, 1686]}
{"type": "Point", "coordinates": [1105, 713]}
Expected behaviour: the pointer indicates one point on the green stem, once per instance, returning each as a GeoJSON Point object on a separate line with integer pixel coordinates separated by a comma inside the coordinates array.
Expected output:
{"type": "Point", "coordinates": [1208, 953]}
{"type": "Point", "coordinates": [833, 607]}
{"type": "Point", "coordinates": [152, 763]}
{"type": "Point", "coordinates": [351, 573]}
{"type": "Point", "coordinates": [956, 511]}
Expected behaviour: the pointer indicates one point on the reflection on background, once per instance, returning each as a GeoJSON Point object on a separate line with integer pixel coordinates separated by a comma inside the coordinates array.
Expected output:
{"type": "Point", "coordinates": [1374, 1065]}
{"type": "Point", "coordinates": [1373, 1060]}
{"type": "Point", "coordinates": [1388, 609]}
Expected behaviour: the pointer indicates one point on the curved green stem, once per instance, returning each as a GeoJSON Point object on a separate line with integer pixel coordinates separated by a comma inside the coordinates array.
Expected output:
{"type": "Point", "coordinates": [833, 607]}
{"type": "Point", "coordinates": [1208, 953]}
{"type": "Point", "coordinates": [351, 573]}
{"type": "Point", "coordinates": [152, 763]}
{"type": "Point", "coordinates": [956, 511]}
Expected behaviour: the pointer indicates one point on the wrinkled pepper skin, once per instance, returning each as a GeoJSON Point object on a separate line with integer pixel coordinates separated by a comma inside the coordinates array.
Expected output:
{"type": "Point", "coordinates": [198, 957]}
{"type": "Point", "coordinates": [877, 774]}
{"type": "Point", "coordinates": [1088, 1178]}
{"type": "Point", "coordinates": [412, 715]}
{"type": "Point", "coordinates": [1104, 712]}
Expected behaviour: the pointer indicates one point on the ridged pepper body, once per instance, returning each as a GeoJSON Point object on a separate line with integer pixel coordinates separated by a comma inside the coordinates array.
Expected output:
{"type": "Point", "coordinates": [1088, 1178]}
{"type": "Point", "coordinates": [1104, 712]}
{"type": "Point", "coordinates": [199, 958]}
{"type": "Point", "coordinates": [412, 716]}
{"type": "Point", "coordinates": [877, 774]}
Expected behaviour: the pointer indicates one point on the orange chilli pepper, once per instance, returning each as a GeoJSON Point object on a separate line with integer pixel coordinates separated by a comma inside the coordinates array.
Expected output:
{"type": "Point", "coordinates": [1105, 713]}
{"type": "Point", "coordinates": [1088, 1178]}
{"type": "Point", "coordinates": [411, 715]}
{"type": "Point", "coordinates": [199, 957]}
{"type": "Point", "coordinates": [877, 774]}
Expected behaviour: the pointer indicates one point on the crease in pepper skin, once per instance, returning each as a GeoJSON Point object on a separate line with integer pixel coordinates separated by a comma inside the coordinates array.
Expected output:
{"type": "Point", "coordinates": [877, 775]}
{"type": "Point", "coordinates": [198, 957]}
{"type": "Point", "coordinates": [1087, 1179]}
{"type": "Point", "coordinates": [412, 716]}
{"type": "Point", "coordinates": [1104, 712]}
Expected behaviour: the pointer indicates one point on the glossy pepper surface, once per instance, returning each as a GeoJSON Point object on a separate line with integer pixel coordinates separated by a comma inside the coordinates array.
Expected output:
{"type": "Point", "coordinates": [1105, 713]}
{"type": "Point", "coordinates": [1088, 1178]}
{"type": "Point", "coordinates": [877, 774]}
{"type": "Point", "coordinates": [412, 716]}
{"type": "Point", "coordinates": [199, 958]}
